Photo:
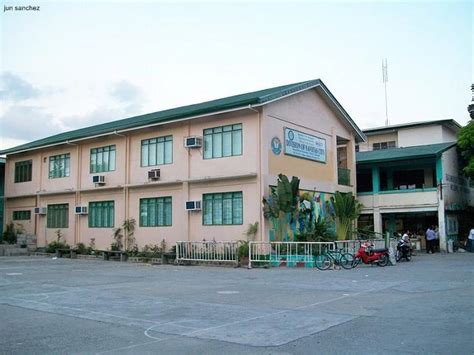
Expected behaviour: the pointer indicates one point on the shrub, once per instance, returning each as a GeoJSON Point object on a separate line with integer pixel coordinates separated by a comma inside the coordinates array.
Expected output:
{"type": "Point", "coordinates": [243, 250]}
{"type": "Point", "coordinates": [53, 246]}
{"type": "Point", "coordinates": [9, 235]}
{"type": "Point", "coordinates": [82, 249]}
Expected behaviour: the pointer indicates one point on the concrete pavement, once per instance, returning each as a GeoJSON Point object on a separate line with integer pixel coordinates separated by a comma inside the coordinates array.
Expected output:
{"type": "Point", "coordinates": [89, 306]}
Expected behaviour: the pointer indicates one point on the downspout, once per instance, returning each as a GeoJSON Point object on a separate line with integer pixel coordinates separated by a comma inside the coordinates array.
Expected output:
{"type": "Point", "coordinates": [259, 169]}
{"type": "Point", "coordinates": [77, 198]}
{"type": "Point", "coordinates": [125, 188]}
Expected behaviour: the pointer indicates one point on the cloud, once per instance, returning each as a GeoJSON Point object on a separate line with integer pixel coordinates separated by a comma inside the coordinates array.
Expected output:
{"type": "Point", "coordinates": [15, 88]}
{"type": "Point", "coordinates": [125, 92]}
{"type": "Point", "coordinates": [25, 122]}
{"type": "Point", "coordinates": [31, 113]}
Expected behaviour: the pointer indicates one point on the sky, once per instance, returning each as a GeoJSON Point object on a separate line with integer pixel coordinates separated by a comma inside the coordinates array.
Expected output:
{"type": "Point", "coordinates": [74, 64]}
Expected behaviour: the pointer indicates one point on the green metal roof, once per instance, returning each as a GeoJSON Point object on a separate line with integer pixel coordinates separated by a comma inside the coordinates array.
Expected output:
{"type": "Point", "coordinates": [256, 98]}
{"type": "Point", "coordinates": [407, 153]}
{"type": "Point", "coordinates": [452, 124]}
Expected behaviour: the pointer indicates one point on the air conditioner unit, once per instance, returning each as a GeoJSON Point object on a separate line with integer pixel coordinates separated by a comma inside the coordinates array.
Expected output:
{"type": "Point", "coordinates": [193, 205]}
{"type": "Point", "coordinates": [40, 210]}
{"type": "Point", "coordinates": [98, 179]}
{"type": "Point", "coordinates": [193, 142]}
{"type": "Point", "coordinates": [80, 210]}
{"type": "Point", "coordinates": [154, 174]}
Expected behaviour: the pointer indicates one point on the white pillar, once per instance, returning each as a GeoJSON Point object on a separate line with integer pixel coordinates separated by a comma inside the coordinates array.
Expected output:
{"type": "Point", "coordinates": [443, 240]}
{"type": "Point", "coordinates": [377, 221]}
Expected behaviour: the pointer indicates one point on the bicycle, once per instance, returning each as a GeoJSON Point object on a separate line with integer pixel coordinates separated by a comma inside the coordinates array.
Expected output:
{"type": "Point", "coordinates": [333, 257]}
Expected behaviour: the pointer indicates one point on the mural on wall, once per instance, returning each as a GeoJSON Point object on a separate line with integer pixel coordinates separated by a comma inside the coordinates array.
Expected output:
{"type": "Point", "coordinates": [313, 208]}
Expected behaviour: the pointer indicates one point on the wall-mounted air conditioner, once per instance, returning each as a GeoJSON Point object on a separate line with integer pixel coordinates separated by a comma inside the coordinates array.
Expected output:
{"type": "Point", "coordinates": [80, 210]}
{"type": "Point", "coordinates": [98, 179]}
{"type": "Point", "coordinates": [193, 205]}
{"type": "Point", "coordinates": [40, 210]}
{"type": "Point", "coordinates": [193, 142]}
{"type": "Point", "coordinates": [154, 174]}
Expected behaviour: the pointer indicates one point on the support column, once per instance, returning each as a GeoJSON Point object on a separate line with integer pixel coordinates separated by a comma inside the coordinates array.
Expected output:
{"type": "Point", "coordinates": [378, 228]}
{"type": "Point", "coordinates": [375, 179]}
{"type": "Point", "coordinates": [441, 212]}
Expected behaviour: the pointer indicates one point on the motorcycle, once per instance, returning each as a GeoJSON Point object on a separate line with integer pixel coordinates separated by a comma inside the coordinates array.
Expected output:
{"type": "Point", "coordinates": [403, 251]}
{"type": "Point", "coordinates": [369, 255]}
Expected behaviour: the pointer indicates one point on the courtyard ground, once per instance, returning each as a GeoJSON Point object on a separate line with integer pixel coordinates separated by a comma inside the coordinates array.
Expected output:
{"type": "Point", "coordinates": [88, 306]}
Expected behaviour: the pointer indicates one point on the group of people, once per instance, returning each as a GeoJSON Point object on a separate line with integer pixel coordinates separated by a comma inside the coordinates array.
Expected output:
{"type": "Point", "coordinates": [432, 239]}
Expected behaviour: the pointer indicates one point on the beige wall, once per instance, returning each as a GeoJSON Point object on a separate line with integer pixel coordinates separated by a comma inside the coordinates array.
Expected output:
{"type": "Point", "coordinates": [47, 235]}
{"type": "Point", "coordinates": [22, 188]}
{"type": "Point", "coordinates": [154, 235]}
{"type": "Point", "coordinates": [307, 113]}
{"type": "Point", "coordinates": [413, 136]}
{"type": "Point", "coordinates": [22, 204]}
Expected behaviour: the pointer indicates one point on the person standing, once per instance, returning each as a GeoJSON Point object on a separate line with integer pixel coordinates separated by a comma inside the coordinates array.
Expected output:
{"type": "Point", "coordinates": [470, 241]}
{"type": "Point", "coordinates": [430, 240]}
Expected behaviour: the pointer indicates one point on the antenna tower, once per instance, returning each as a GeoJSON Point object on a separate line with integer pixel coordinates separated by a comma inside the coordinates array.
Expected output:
{"type": "Point", "coordinates": [385, 79]}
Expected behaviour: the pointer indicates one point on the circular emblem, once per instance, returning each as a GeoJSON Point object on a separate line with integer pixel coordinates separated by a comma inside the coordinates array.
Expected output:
{"type": "Point", "coordinates": [276, 145]}
{"type": "Point", "coordinates": [291, 135]}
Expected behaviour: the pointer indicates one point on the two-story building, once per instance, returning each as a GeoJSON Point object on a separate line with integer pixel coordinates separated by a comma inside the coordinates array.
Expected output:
{"type": "Point", "coordinates": [189, 173]}
{"type": "Point", "coordinates": [408, 178]}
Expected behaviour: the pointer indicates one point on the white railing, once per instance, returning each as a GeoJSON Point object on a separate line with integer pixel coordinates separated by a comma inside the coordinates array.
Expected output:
{"type": "Point", "coordinates": [287, 253]}
{"type": "Point", "coordinates": [351, 246]}
{"type": "Point", "coordinates": [207, 251]}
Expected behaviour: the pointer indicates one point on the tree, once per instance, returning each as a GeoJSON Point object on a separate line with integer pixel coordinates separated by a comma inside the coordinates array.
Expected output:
{"type": "Point", "coordinates": [282, 204]}
{"type": "Point", "coordinates": [466, 145]}
{"type": "Point", "coordinates": [347, 209]}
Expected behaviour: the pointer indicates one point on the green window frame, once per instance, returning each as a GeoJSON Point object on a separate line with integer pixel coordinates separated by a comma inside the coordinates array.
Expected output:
{"type": "Point", "coordinates": [58, 216]}
{"type": "Point", "coordinates": [156, 212]}
{"type": "Point", "coordinates": [22, 215]}
{"type": "Point", "coordinates": [101, 214]}
{"type": "Point", "coordinates": [102, 159]}
{"type": "Point", "coordinates": [224, 141]}
{"type": "Point", "coordinates": [23, 171]}
{"type": "Point", "coordinates": [157, 151]}
{"type": "Point", "coordinates": [59, 166]}
{"type": "Point", "coordinates": [223, 208]}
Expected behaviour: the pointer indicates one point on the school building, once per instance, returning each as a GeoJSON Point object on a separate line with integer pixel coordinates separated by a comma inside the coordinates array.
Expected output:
{"type": "Point", "coordinates": [408, 178]}
{"type": "Point", "coordinates": [189, 173]}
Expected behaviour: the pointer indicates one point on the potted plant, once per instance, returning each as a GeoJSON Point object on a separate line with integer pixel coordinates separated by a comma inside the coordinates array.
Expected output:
{"type": "Point", "coordinates": [243, 252]}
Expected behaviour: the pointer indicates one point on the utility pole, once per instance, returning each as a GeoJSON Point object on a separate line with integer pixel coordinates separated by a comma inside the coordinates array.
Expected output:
{"type": "Point", "coordinates": [385, 79]}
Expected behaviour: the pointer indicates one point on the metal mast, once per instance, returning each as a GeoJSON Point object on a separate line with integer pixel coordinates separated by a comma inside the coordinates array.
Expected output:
{"type": "Point", "coordinates": [385, 79]}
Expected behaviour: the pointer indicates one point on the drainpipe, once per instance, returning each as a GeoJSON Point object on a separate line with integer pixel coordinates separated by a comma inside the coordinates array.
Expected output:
{"type": "Point", "coordinates": [125, 188]}
{"type": "Point", "coordinates": [261, 182]}
{"type": "Point", "coordinates": [77, 200]}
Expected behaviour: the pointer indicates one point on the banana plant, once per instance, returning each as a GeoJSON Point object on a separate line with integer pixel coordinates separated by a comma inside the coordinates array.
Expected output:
{"type": "Point", "coordinates": [346, 211]}
{"type": "Point", "coordinates": [282, 204]}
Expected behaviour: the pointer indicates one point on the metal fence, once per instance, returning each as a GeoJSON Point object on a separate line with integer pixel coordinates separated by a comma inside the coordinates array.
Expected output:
{"type": "Point", "coordinates": [286, 253]}
{"type": "Point", "coordinates": [207, 251]}
{"type": "Point", "coordinates": [351, 246]}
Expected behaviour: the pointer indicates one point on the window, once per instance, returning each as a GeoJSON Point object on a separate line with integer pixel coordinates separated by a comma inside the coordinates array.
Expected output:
{"type": "Point", "coordinates": [155, 212]}
{"type": "Point", "coordinates": [384, 145]}
{"type": "Point", "coordinates": [157, 151]}
{"type": "Point", "coordinates": [59, 166]}
{"type": "Point", "coordinates": [101, 214]}
{"type": "Point", "coordinates": [223, 141]}
{"type": "Point", "coordinates": [58, 216]}
{"type": "Point", "coordinates": [21, 215]}
{"type": "Point", "coordinates": [23, 170]}
{"type": "Point", "coordinates": [103, 159]}
{"type": "Point", "coordinates": [408, 179]}
{"type": "Point", "coordinates": [357, 148]}
{"type": "Point", "coordinates": [222, 208]}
